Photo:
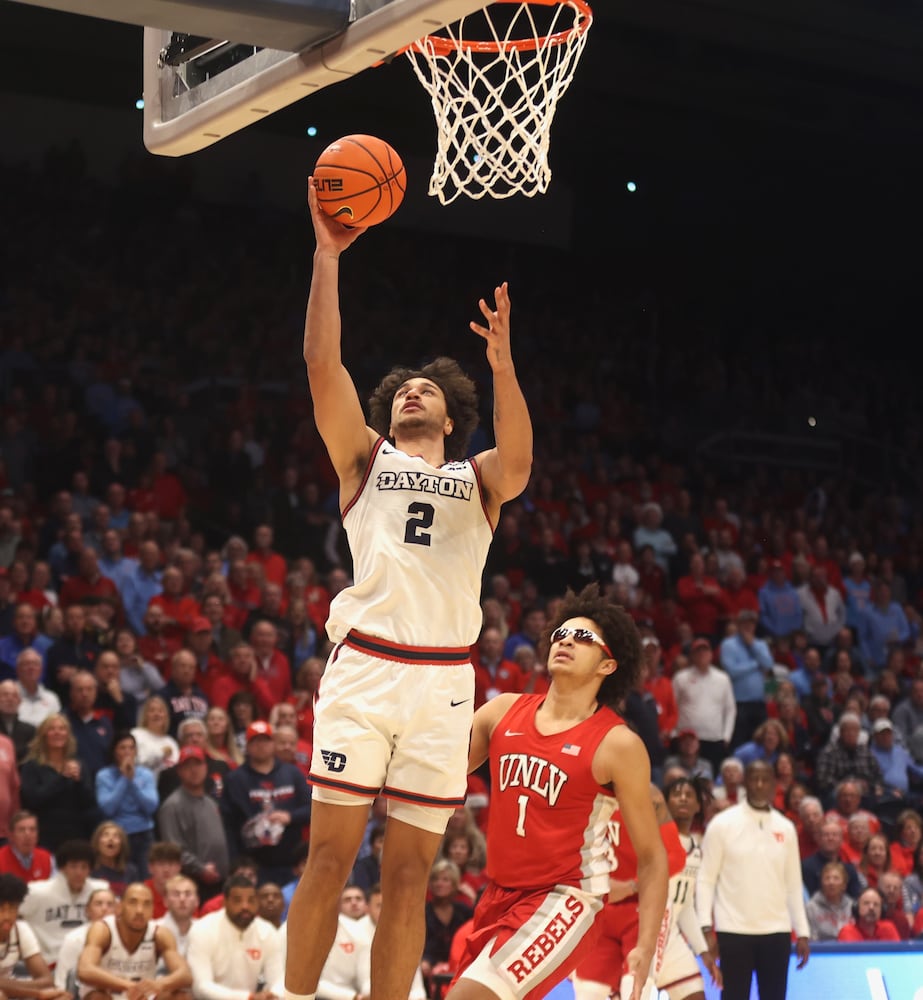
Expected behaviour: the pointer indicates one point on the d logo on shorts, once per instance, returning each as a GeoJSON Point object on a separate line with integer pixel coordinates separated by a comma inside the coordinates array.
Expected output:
{"type": "Point", "coordinates": [335, 761]}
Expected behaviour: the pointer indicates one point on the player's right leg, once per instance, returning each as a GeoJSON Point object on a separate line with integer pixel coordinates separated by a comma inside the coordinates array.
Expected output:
{"type": "Point", "coordinates": [336, 835]}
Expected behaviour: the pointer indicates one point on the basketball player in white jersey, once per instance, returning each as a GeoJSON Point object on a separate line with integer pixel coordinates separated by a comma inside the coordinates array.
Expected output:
{"type": "Point", "coordinates": [119, 960]}
{"type": "Point", "coordinates": [679, 974]}
{"type": "Point", "coordinates": [396, 701]}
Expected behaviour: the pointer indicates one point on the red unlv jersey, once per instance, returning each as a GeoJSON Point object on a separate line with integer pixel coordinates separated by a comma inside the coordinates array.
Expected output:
{"type": "Point", "coordinates": [548, 816]}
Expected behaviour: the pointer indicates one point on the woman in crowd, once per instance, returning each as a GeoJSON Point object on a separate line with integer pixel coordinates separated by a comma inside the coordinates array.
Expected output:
{"type": "Point", "coordinates": [908, 835]}
{"type": "Point", "coordinates": [111, 857]}
{"type": "Point", "coordinates": [875, 860]}
{"type": "Point", "coordinates": [444, 915]}
{"type": "Point", "coordinates": [157, 749]}
{"type": "Point", "coordinates": [127, 794]}
{"type": "Point", "coordinates": [468, 850]}
{"type": "Point", "coordinates": [220, 743]}
{"type": "Point", "coordinates": [830, 908]}
{"type": "Point", "coordinates": [56, 786]}
{"type": "Point", "coordinates": [769, 740]}
{"type": "Point", "coordinates": [136, 675]}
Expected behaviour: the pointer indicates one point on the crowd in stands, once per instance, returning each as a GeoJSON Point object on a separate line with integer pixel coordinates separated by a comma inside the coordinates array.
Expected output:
{"type": "Point", "coordinates": [170, 543]}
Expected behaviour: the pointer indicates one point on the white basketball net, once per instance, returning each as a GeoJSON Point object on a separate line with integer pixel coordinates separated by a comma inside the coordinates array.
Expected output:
{"type": "Point", "coordinates": [494, 108]}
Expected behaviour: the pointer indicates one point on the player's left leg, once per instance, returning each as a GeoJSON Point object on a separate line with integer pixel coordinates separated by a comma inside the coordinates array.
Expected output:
{"type": "Point", "coordinates": [772, 956]}
{"type": "Point", "coordinates": [406, 860]}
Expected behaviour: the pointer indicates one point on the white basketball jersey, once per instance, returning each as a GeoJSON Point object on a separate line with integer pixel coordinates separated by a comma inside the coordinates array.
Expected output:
{"type": "Point", "coordinates": [117, 959]}
{"type": "Point", "coordinates": [419, 538]}
{"type": "Point", "coordinates": [682, 884]}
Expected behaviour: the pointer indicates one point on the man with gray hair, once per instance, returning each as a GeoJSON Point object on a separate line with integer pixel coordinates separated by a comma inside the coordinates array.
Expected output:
{"type": "Point", "coordinates": [846, 757]}
{"type": "Point", "coordinates": [36, 701]}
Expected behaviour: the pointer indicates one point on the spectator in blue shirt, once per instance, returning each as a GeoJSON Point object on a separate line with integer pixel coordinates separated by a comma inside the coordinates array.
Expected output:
{"type": "Point", "coordinates": [127, 795]}
{"type": "Point", "coordinates": [882, 626]}
{"type": "Point", "coordinates": [747, 661]}
{"type": "Point", "coordinates": [140, 584]}
{"type": "Point", "coordinates": [899, 769]}
{"type": "Point", "coordinates": [781, 612]}
{"type": "Point", "coordinates": [858, 590]}
{"type": "Point", "coordinates": [25, 635]}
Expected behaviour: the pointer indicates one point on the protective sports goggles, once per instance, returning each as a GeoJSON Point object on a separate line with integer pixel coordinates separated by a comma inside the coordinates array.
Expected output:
{"type": "Point", "coordinates": [580, 635]}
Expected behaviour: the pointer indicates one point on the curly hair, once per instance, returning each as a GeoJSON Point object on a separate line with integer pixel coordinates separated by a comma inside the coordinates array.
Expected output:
{"type": "Point", "coordinates": [461, 400]}
{"type": "Point", "coordinates": [617, 629]}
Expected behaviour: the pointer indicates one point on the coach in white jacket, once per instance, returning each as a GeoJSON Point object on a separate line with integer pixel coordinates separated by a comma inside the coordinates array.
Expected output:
{"type": "Point", "coordinates": [233, 953]}
{"type": "Point", "coordinates": [749, 894]}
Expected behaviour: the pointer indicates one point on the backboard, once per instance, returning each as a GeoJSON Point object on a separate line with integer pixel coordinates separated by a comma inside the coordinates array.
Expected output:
{"type": "Point", "coordinates": [201, 86]}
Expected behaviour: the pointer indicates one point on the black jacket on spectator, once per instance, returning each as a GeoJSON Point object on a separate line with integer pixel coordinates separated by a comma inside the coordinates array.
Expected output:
{"type": "Point", "coordinates": [64, 652]}
{"type": "Point", "coordinates": [65, 808]}
{"type": "Point", "coordinates": [20, 733]}
{"type": "Point", "coordinates": [94, 742]}
{"type": "Point", "coordinates": [193, 705]}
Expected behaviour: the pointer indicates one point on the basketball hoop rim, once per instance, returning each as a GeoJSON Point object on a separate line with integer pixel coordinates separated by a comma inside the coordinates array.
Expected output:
{"type": "Point", "coordinates": [446, 46]}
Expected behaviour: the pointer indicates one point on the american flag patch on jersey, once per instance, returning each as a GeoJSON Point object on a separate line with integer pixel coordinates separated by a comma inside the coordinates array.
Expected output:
{"type": "Point", "coordinates": [570, 748]}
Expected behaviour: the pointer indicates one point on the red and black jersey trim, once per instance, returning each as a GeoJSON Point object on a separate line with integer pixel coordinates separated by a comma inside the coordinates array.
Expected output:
{"type": "Point", "coordinates": [384, 649]}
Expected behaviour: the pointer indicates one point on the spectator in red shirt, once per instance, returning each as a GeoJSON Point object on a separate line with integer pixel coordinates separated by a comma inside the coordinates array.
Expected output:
{"type": "Point", "coordinates": [307, 681]}
{"type": "Point", "coordinates": [179, 608]}
{"type": "Point", "coordinates": [199, 641]}
{"type": "Point", "coordinates": [274, 566]}
{"type": "Point", "coordinates": [244, 594]}
{"type": "Point", "coordinates": [867, 924]}
{"type": "Point", "coordinates": [22, 856]}
{"type": "Point", "coordinates": [88, 586]}
{"type": "Point", "coordinates": [738, 594]}
{"type": "Point", "coordinates": [164, 860]}
{"type": "Point", "coordinates": [891, 887]}
{"type": "Point", "coordinates": [493, 673]}
{"type": "Point", "coordinates": [155, 646]}
{"type": "Point", "coordinates": [701, 598]}
{"type": "Point", "coordinates": [660, 687]}
{"type": "Point", "coordinates": [274, 666]}
{"type": "Point", "coordinates": [169, 494]}
{"type": "Point", "coordinates": [243, 675]}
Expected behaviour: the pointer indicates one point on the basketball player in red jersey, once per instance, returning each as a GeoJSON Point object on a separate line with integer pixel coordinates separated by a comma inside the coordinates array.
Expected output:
{"type": "Point", "coordinates": [560, 762]}
{"type": "Point", "coordinates": [395, 705]}
{"type": "Point", "coordinates": [606, 971]}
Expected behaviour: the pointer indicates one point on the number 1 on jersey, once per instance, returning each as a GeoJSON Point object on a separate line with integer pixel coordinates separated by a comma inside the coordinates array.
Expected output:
{"type": "Point", "coordinates": [523, 801]}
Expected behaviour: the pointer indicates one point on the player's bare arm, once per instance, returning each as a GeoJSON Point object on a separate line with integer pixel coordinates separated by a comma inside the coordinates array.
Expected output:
{"type": "Point", "coordinates": [622, 762]}
{"type": "Point", "coordinates": [39, 984]}
{"type": "Point", "coordinates": [505, 468]}
{"type": "Point", "coordinates": [179, 975]}
{"type": "Point", "coordinates": [337, 409]}
{"type": "Point", "coordinates": [89, 971]}
{"type": "Point", "coordinates": [483, 725]}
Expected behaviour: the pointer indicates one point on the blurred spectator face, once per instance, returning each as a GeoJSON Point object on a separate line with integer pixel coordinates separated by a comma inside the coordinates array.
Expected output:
{"type": "Point", "coordinates": [262, 538]}
{"type": "Point", "coordinates": [309, 674]}
{"type": "Point", "coordinates": [153, 619]}
{"type": "Point", "coordinates": [88, 567]}
{"type": "Point", "coordinates": [24, 836]}
{"type": "Point", "coordinates": [213, 609]}
{"type": "Point", "coordinates": [112, 544]}
{"type": "Point", "coordinates": [848, 798]}
{"type": "Point", "coordinates": [272, 598]}
{"type": "Point", "coordinates": [29, 669]}
{"type": "Point", "coordinates": [24, 621]}
{"type": "Point", "coordinates": [237, 574]}
{"type": "Point", "coordinates": [833, 884]}
{"type": "Point", "coordinates": [75, 620]}
{"type": "Point", "coordinates": [241, 906]}
{"type": "Point", "coordinates": [183, 668]}
{"type": "Point", "coordinates": [830, 838]}
{"type": "Point", "coordinates": [235, 548]}
{"type": "Point", "coordinates": [162, 871]}
{"type": "Point", "coordinates": [284, 714]}
{"type": "Point", "coordinates": [213, 563]}
{"type": "Point", "coordinates": [849, 733]}
{"type": "Point", "coordinates": [149, 556]}
{"type": "Point", "coordinates": [285, 739]}
{"type": "Point", "coordinates": [76, 874]}
{"type": "Point", "coordinates": [191, 733]}
{"type": "Point", "coordinates": [9, 698]}
{"type": "Point", "coordinates": [263, 637]}
{"type": "Point", "coordinates": [107, 667]}
{"type": "Point", "coordinates": [181, 898]}
{"type": "Point", "coordinates": [172, 581]}
{"type": "Point", "coordinates": [115, 496]}
{"type": "Point", "coordinates": [696, 564]}
{"type": "Point", "coordinates": [270, 902]}
{"type": "Point", "coordinates": [337, 580]}
{"type": "Point", "coordinates": [242, 660]}
{"type": "Point", "coordinates": [83, 689]}
{"type": "Point", "coordinates": [490, 645]}
{"type": "Point", "coordinates": [352, 902]}
{"type": "Point", "coordinates": [891, 886]}
{"type": "Point", "coordinates": [526, 658]}
{"type": "Point", "coordinates": [868, 906]}
{"type": "Point", "coordinates": [100, 905]}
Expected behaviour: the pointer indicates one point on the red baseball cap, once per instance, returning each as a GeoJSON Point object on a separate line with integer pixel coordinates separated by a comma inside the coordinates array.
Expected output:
{"type": "Point", "coordinates": [259, 728]}
{"type": "Point", "coordinates": [700, 644]}
{"type": "Point", "coordinates": [200, 624]}
{"type": "Point", "coordinates": [191, 753]}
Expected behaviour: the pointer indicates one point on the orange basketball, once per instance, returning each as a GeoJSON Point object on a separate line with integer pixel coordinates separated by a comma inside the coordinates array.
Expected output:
{"type": "Point", "coordinates": [360, 180]}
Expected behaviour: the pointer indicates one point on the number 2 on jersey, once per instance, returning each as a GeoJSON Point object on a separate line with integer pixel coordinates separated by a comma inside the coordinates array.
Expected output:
{"type": "Point", "coordinates": [421, 517]}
